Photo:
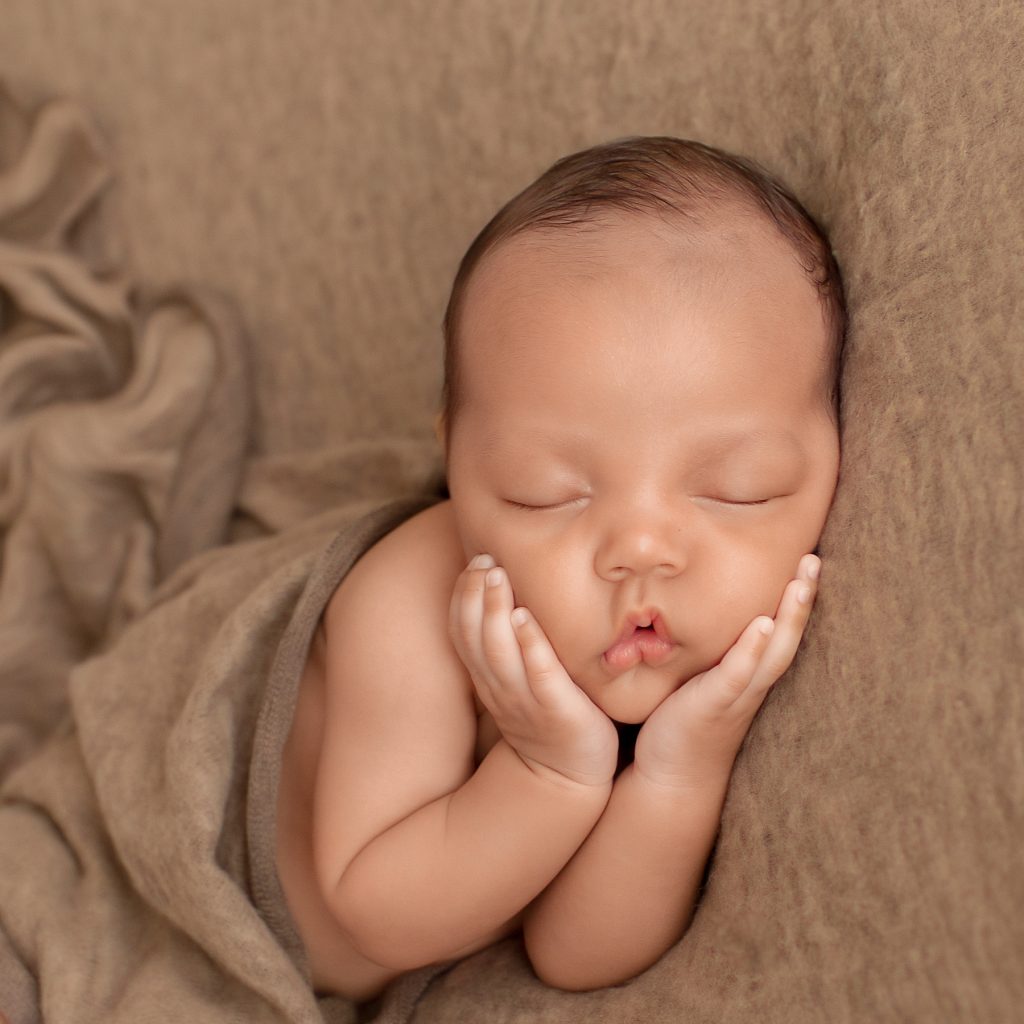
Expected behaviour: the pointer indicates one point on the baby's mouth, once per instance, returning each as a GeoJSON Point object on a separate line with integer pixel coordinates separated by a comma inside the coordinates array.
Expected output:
{"type": "Point", "coordinates": [649, 622]}
{"type": "Point", "coordinates": [639, 643]}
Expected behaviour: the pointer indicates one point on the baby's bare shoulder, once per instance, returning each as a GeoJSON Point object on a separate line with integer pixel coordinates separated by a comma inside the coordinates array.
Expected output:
{"type": "Point", "coordinates": [413, 568]}
{"type": "Point", "coordinates": [386, 625]}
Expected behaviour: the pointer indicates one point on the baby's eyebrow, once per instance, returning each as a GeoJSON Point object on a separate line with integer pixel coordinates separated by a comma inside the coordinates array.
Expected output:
{"type": "Point", "coordinates": [712, 445]}
{"type": "Point", "coordinates": [568, 442]}
{"type": "Point", "coordinates": [715, 446]}
{"type": "Point", "coordinates": [727, 440]}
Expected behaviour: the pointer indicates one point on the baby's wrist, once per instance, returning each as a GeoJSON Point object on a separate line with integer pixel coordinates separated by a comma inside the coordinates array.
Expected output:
{"type": "Point", "coordinates": [574, 781]}
{"type": "Point", "coordinates": [699, 775]}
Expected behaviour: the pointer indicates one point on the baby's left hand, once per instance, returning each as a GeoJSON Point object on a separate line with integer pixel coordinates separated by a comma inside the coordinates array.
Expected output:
{"type": "Point", "coordinates": [693, 736]}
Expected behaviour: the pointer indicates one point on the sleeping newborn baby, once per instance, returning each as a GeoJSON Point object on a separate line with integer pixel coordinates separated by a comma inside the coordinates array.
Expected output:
{"type": "Point", "coordinates": [641, 446]}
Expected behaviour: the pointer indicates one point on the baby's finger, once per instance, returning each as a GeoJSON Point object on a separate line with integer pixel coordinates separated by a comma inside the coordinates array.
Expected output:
{"type": "Point", "coordinates": [790, 623]}
{"type": "Point", "coordinates": [734, 672]}
{"type": "Point", "coordinates": [498, 638]}
{"type": "Point", "coordinates": [545, 674]}
{"type": "Point", "coordinates": [466, 614]}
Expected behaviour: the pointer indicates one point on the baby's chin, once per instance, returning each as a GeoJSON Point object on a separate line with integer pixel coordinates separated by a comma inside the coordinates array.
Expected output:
{"type": "Point", "coordinates": [632, 701]}
{"type": "Point", "coordinates": [639, 720]}
{"type": "Point", "coordinates": [631, 697]}
{"type": "Point", "coordinates": [622, 712]}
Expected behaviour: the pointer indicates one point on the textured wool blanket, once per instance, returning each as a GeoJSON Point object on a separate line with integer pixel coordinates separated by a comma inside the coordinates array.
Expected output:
{"type": "Point", "coordinates": [326, 165]}
{"type": "Point", "coordinates": [157, 599]}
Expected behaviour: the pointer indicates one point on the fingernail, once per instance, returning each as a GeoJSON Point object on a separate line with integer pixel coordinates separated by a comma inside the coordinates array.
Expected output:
{"type": "Point", "coordinates": [803, 595]}
{"type": "Point", "coordinates": [814, 569]}
{"type": "Point", "coordinates": [482, 562]}
{"type": "Point", "coordinates": [494, 577]}
{"type": "Point", "coordinates": [518, 616]}
{"type": "Point", "coordinates": [766, 626]}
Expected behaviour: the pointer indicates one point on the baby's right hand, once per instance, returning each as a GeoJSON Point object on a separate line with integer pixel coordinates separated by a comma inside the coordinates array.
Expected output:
{"type": "Point", "coordinates": [543, 715]}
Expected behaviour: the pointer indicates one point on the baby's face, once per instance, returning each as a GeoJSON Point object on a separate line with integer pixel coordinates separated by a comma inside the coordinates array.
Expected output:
{"type": "Point", "coordinates": [639, 397]}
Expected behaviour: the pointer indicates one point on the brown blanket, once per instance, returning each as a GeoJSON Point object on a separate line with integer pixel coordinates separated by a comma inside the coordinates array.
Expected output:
{"type": "Point", "coordinates": [158, 594]}
{"type": "Point", "coordinates": [123, 424]}
{"type": "Point", "coordinates": [327, 164]}
{"type": "Point", "coordinates": [137, 867]}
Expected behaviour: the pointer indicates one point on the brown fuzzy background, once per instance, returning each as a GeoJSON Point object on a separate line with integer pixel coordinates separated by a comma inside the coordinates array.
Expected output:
{"type": "Point", "coordinates": [325, 164]}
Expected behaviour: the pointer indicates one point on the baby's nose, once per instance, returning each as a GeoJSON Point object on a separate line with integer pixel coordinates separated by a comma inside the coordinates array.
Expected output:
{"type": "Point", "coordinates": [643, 545]}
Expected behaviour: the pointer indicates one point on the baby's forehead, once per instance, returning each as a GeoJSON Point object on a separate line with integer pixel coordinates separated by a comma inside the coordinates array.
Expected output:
{"type": "Point", "coordinates": [633, 269]}
{"type": "Point", "coordinates": [546, 297]}
{"type": "Point", "coordinates": [735, 241]}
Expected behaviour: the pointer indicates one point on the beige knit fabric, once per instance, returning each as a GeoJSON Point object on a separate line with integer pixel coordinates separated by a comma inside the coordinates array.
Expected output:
{"type": "Point", "coordinates": [324, 163]}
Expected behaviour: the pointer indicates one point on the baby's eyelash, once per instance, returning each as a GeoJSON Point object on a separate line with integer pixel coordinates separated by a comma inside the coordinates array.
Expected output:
{"type": "Point", "coordinates": [562, 504]}
{"type": "Point", "coordinates": [535, 508]}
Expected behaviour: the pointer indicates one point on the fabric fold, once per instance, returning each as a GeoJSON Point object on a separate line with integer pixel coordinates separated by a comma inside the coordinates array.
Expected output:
{"type": "Point", "coordinates": [124, 421]}
{"type": "Point", "coordinates": [159, 589]}
{"type": "Point", "coordinates": [137, 843]}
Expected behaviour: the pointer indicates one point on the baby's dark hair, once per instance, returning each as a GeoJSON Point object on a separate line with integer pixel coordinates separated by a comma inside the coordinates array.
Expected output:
{"type": "Point", "coordinates": [659, 174]}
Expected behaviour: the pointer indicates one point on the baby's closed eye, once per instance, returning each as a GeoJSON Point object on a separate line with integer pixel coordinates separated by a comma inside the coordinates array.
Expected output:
{"type": "Point", "coordinates": [741, 501]}
{"type": "Point", "coordinates": [543, 507]}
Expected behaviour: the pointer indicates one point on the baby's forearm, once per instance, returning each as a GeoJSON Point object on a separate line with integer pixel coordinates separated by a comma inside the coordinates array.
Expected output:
{"type": "Point", "coordinates": [629, 891]}
{"type": "Point", "coordinates": [464, 864]}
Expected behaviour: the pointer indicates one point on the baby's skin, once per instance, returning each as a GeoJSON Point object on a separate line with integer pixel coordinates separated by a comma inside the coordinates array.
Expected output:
{"type": "Point", "coordinates": [639, 475]}
{"type": "Point", "coordinates": [628, 892]}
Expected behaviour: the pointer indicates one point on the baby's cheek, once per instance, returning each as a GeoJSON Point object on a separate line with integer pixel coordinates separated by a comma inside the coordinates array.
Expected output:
{"type": "Point", "coordinates": [549, 585]}
{"type": "Point", "coordinates": [568, 610]}
{"type": "Point", "coordinates": [761, 596]}
{"type": "Point", "coordinates": [741, 590]}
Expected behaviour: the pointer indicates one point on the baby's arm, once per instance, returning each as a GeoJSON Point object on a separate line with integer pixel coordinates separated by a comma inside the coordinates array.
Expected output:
{"type": "Point", "coordinates": [417, 855]}
{"type": "Point", "coordinates": [628, 893]}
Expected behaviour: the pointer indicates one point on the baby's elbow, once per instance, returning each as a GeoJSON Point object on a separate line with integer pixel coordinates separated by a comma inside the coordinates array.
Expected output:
{"type": "Point", "coordinates": [364, 922]}
{"type": "Point", "coordinates": [376, 947]}
{"type": "Point", "coordinates": [370, 938]}
{"type": "Point", "coordinates": [557, 974]}
{"type": "Point", "coordinates": [560, 969]}
{"type": "Point", "coordinates": [384, 951]}
{"type": "Point", "coordinates": [554, 977]}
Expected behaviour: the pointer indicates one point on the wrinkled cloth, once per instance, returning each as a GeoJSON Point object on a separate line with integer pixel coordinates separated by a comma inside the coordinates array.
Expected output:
{"type": "Point", "coordinates": [153, 569]}
{"type": "Point", "coordinates": [137, 867]}
{"type": "Point", "coordinates": [343, 155]}
{"type": "Point", "coordinates": [122, 425]}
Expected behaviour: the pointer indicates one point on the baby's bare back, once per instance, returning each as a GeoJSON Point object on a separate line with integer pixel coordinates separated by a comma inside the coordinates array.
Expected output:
{"type": "Point", "coordinates": [409, 632]}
